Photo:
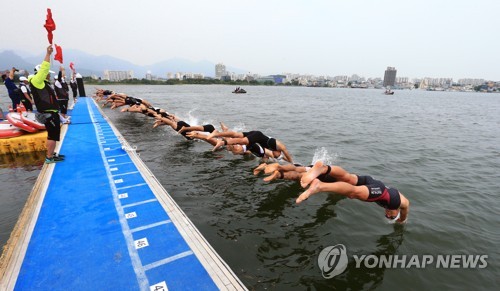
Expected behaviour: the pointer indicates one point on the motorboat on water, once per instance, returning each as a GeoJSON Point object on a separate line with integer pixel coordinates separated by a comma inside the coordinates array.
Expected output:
{"type": "Point", "coordinates": [239, 91]}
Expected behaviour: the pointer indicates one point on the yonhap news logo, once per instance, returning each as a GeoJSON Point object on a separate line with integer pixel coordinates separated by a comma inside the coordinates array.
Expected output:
{"type": "Point", "coordinates": [333, 261]}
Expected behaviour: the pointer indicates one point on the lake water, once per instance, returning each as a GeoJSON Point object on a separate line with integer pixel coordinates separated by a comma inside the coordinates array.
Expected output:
{"type": "Point", "coordinates": [441, 149]}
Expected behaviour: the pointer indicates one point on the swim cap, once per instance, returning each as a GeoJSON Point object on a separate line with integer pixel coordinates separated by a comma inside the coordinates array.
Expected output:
{"type": "Point", "coordinates": [392, 221]}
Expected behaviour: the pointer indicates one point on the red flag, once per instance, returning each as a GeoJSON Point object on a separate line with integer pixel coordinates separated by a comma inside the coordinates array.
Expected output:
{"type": "Point", "coordinates": [59, 55]}
{"type": "Point", "coordinates": [50, 25]}
{"type": "Point", "coordinates": [72, 66]}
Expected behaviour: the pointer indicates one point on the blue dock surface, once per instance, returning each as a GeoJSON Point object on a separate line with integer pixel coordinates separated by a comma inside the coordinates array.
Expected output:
{"type": "Point", "coordinates": [101, 221]}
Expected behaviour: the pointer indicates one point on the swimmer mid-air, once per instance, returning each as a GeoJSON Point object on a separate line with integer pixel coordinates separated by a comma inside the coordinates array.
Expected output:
{"type": "Point", "coordinates": [250, 138]}
{"type": "Point", "coordinates": [363, 188]}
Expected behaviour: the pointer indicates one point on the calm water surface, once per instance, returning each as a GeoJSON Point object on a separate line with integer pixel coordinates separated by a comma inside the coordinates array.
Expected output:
{"type": "Point", "coordinates": [441, 149]}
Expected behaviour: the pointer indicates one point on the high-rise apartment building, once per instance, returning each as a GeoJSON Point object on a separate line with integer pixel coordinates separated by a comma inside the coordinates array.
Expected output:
{"type": "Point", "coordinates": [220, 70]}
{"type": "Point", "coordinates": [390, 77]}
{"type": "Point", "coordinates": [118, 75]}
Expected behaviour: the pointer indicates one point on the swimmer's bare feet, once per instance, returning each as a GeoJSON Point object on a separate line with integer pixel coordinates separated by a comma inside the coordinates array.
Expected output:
{"type": "Point", "coordinates": [313, 189]}
{"type": "Point", "coordinates": [275, 175]}
{"type": "Point", "coordinates": [223, 126]}
{"type": "Point", "coordinates": [219, 144]}
{"type": "Point", "coordinates": [312, 174]}
{"type": "Point", "coordinates": [271, 168]}
{"type": "Point", "coordinates": [259, 168]}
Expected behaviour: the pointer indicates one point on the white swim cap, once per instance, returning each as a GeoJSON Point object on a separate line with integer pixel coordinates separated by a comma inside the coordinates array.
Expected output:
{"type": "Point", "coordinates": [392, 221]}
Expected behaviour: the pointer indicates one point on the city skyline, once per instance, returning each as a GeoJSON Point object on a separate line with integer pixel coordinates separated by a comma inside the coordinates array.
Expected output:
{"type": "Point", "coordinates": [121, 71]}
{"type": "Point", "coordinates": [449, 39]}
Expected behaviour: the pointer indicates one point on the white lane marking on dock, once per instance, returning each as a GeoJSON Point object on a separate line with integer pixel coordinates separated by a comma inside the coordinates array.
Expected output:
{"type": "Point", "coordinates": [113, 144]}
{"type": "Point", "coordinates": [116, 156]}
{"type": "Point", "coordinates": [140, 274]}
{"type": "Point", "coordinates": [140, 203]}
{"type": "Point", "coordinates": [112, 149]}
{"type": "Point", "coordinates": [132, 186]}
{"type": "Point", "coordinates": [150, 226]}
{"type": "Point", "coordinates": [120, 164]}
{"type": "Point", "coordinates": [128, 173]}
{"type": "Point", "coordinates": [167, 260]}
{"type": "Point", "coordinates": [123, 196]}
{"type": "Point", "coordinates": [141, 243]}
{"type": "Point", "coordinates": [130, 215]}
{"type": "Point", "coordinates": [162, 286]}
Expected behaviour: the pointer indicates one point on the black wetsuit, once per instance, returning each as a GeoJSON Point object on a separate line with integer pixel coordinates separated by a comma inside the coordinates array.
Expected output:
{"type": "Point", "coordinates": [129, 100]}
{"type": "Point", "coordinates": [384, 196]}
{"type": "Point", "coordinates": [255, 148]}
{"type": "Point", "coordinates": [260, 138]}
{"type": "Point", "coordinates": [181, 124]}
{"type": "Point", "coordinates": [208, 128]}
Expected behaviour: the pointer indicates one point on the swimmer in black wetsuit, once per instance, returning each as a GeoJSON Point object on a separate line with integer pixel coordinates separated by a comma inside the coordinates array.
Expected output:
{"type": "Point", "coordinates": [249, 138]}
{"type": "Point", "coordinates": [174, 122]}
{"type": "Point", "coordinates": [292, 172]}
{"type": "Point", "coordinates": [148, 111]}
{"type": "Point", "coordinates": [364, 188]}
{"type": "Point", "coordinates": [204, 128]}
{"type": "Point", "coordinates": [121, 99]}
{"type": "Point", "coordinates": [102, 94]}
{"type": "Point", "coordinates": [254, 149]}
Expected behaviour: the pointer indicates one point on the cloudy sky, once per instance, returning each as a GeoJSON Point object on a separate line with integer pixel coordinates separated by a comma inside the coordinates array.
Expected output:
{"type": "Point", "coordinates": [425, 38]}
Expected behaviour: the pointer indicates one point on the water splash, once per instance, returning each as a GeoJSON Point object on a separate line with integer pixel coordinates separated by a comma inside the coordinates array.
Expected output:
{"type": "Point", "coordinates": [322, 154]}
{"type": "Point", "coordinates": [191, 119]}
{"type": "Point", "coordinates": [239, 127]}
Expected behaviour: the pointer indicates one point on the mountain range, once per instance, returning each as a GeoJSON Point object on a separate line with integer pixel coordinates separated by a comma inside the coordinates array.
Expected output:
{"type": "Point", "coordinates": [87, 64]}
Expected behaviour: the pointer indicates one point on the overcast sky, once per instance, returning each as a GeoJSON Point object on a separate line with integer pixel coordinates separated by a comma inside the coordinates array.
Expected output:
{"type": "Point", "coordinates": [424, 38]}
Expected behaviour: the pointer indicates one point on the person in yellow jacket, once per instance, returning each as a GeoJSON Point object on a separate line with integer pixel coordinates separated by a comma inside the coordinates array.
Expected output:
{"type": "Point", "coordinates": [47, 106]}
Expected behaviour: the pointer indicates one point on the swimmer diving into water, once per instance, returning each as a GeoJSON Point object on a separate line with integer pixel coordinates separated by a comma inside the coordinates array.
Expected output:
{"type": "Point", "coordinates": [363, 188]}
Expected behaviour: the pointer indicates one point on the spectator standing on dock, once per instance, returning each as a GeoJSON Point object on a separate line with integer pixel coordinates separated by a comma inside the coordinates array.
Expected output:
{"type": "Point", "coordinates": [62, 92]}
{"type": "Point", "coordinates": [47, 106]}
{"type": "Point", "coordinates": [12, 89]}
{"type": "Point", "coordinates": [73, 85]}
{"type": "Point", "coordinates": [26, 97]}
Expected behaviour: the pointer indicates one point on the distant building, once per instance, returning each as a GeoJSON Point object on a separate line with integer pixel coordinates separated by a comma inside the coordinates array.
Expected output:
{"type": "Point", "coordinates": [192, 76]}
{"type": "Point", "coordinates": [265, 79]}
{"type": "Point", "coordinates": [473, 82]}
{"type": "Point", "coordinates": [118, 75]}
{"type": "Point", "coordinates": [390, 77]}
{"type": "Point", "coordinates": [278, 79]}
{"type": "Point", "coordinates": [220, 70]}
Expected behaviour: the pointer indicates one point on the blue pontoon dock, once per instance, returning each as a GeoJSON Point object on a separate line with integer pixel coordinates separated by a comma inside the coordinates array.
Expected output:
{"type": "Point", "coordinates": [100, 220]}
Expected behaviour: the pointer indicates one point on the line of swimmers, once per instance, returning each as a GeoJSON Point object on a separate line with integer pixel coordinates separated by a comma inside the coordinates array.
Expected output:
{"type": "Point", "coordinates": [314, 178]}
